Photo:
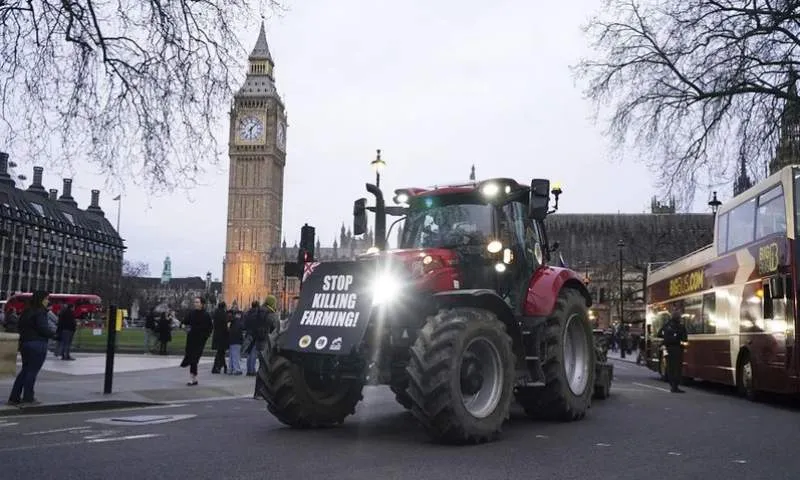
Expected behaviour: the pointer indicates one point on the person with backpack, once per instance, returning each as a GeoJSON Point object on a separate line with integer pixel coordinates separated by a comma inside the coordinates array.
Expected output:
{"type": "Point", "coordinates": [674, 336]}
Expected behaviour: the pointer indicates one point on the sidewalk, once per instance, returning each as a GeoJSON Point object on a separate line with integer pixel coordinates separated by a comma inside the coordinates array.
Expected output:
{"type": "Point", "coordinates": [628, 358]}
{"type": "Point", "coordinates": [138, 379]}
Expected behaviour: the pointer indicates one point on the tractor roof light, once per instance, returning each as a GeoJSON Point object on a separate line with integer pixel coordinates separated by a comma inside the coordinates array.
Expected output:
{"type": "Point", "coordinates": [494, 246]}
{"type": "Point", "coordinates": [490, 190]}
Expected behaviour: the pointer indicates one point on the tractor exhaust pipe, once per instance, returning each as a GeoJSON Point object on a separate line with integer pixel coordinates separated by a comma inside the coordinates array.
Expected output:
{"type": "Point", "coordinates": [380, 216]}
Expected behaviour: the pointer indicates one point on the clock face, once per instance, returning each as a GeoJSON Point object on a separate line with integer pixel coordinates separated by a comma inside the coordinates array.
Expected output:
{"type": "Point", "coordinates": [250, 128]}
{"type": "Point", "coordinates": [281, 136]}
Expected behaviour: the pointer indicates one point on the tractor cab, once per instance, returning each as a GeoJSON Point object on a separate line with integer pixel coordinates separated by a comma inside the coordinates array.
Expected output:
{"type": "Point", "coordinates": [488, 235]}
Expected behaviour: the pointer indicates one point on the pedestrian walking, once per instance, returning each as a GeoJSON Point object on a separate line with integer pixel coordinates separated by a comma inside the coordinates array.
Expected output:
{"type": "Point", "coordinates": [219, 340]}
{"type": "Point", "coordinates": [200, 328]}
{"type": "Point", "coordinates": [235, 327]}
{"type": "Point", "coordinates": [34, 333]}
{"type": "Point", "coordinates": [150, 329]}
{"type": "Point", "coordinates": [67, 325]}
{"type": "Point", "coordinates": [255, 324]}
{"type": "Point", "coordinates": [164, 330]}
{"type": "Point", "coordinates": [674, 336]}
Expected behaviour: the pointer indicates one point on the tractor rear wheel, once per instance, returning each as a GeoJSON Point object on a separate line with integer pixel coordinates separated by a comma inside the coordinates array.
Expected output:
{"type": "Point", "coordinates": [303, 400]}
{"type": "Point", "coordinates": [461, 376]}
{"type": "Point", "coordinates": [568, 363]}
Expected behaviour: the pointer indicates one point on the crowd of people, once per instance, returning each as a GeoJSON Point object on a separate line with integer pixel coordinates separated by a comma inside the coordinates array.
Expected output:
{"type": "Point", "coordinates": [233, 333]}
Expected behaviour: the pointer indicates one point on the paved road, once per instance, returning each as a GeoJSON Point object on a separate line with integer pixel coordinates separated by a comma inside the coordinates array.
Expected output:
{"type": "Point", "coordinates": [641, 432]}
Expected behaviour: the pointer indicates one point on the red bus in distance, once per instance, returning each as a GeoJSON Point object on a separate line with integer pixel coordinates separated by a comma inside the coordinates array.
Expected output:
{"type": "Point", "coordinates": [737, 296]}
{"type": "Point", "coordinates": [84, 305]}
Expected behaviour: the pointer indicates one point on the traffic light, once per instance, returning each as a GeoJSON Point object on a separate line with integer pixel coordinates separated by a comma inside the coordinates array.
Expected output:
{"type": "Point", "coordinates": [307, 243]}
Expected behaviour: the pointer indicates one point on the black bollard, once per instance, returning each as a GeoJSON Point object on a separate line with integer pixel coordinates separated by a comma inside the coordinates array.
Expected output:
{"type": "Point", "coordinates": [111, 345]}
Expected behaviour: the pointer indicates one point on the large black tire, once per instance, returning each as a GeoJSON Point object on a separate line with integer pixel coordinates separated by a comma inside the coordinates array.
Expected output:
{"type": "Point", "coordinates": [557, 400]}
{"type": "Point", "coordinates": [290, 398]}
{"type": "Point", "coordinates": [401, 395]}
{"type": "Point", "coordinates": [435, 376]}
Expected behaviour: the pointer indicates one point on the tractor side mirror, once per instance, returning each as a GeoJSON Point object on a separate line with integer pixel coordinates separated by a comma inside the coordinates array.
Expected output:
{"type": "Point", "coordinates": [539, 201]}
{"type": "Point", "coordinates": [360, 216]}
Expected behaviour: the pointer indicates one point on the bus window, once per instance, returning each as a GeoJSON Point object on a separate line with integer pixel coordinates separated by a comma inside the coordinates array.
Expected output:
{"type": "Point", "coordinates": [722, 234]}
{"type": "Point", "coordinates": [693, 315]}
{"type": "Point", "coordinates": [741, 224]}
{"type": "Point", "coordinates": [771, 214]}
{"type": "Point", "coordinates": [709, 313]}
{"type": "Point", "coordinates": [751, 319]}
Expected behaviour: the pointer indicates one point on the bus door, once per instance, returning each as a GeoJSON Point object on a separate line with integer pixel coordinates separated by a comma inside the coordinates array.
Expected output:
{"type": "Point", "coordinates": [779, 322]}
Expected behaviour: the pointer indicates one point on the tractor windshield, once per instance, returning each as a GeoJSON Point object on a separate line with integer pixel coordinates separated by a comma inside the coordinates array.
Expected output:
{"type": "Point", "coordinates": [447, 223]}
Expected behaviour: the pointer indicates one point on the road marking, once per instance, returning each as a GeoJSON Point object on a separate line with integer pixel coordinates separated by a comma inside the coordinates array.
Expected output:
{"type": "Point", "coordinates": [542, 436]}
{"type": "Point", "coordinates": [45, 445]}
{"type": "Point", "coordinates": [3, 424]}
{"type": "Point", "coordinates": [651, 386]}
{"type": "Point", "coordinates": [127, 409]}
{"type": "Point", "coordinates": [674, 453]}
{"type": "Point", "coordinates": [57, 430]}
{"type": "Point", "coordinates": [740, 461]}
{"type": "Point", "coordinates": [602, 444]}
{"type": "Point", "coordinates": [120, 439]}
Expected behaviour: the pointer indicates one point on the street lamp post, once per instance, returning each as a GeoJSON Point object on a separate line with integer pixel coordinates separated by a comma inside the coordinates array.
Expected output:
{"type": "Point", "coordinates": [378, 164]}
{"type": "Point", "coordinates": [620, 246]}
{"type": "Point", "coordinates": [714, 203]}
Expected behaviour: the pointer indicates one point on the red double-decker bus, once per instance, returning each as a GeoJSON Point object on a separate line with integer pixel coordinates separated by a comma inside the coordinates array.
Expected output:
{"type": "Point", "coordinates": [737, 295]}
{"type": "Point", "coordinates": [85, 306]}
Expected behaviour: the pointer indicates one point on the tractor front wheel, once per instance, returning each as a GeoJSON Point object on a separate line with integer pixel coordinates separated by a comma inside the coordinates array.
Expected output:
{"type": "Point", "coordinates": [301, 399]}
{"type": "Point", "coordinates": [461, 376]}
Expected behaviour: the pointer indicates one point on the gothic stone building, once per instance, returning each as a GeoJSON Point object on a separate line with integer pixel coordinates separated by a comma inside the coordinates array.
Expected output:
{"type": "Point", "coordinates": [48, 243]}
{"type": "Point", "coordinates": [590, 246]}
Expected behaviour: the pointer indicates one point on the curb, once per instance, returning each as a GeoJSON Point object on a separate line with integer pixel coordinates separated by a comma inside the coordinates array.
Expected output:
{"type": "Point", "coordinates": [71, 407]}
{"type": "Point", "coordinates": [630, 360]}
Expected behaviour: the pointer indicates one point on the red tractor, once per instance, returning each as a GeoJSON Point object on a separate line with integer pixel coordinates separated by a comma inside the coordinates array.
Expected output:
{"type": "Point", "coordinates": [470, 313]}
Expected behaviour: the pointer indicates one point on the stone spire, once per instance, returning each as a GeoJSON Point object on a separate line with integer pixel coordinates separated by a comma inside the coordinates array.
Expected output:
{"type": "Point", "coordinates": [472, 174]}
{"type": "Point", "coordinates": [743, 181]}
{"type": "Point", "coordinates": [788, 150]}
{"type": "Point", "coordinates": [260, 79]}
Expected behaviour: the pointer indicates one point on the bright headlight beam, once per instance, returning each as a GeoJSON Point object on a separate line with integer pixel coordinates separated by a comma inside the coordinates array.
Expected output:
{"type": "Point", "coordinates": [385, 289]}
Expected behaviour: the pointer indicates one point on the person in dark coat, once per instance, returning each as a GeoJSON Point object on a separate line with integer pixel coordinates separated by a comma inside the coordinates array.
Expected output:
{"type": "Point", "coordinates": [219, 341]}
{"type": "Point", "coordinates": [66, 326]}
{"type": "Point", "coordinates": [235, 337]}
{"type": "Point", "coordinates": [34, 333]}
{"type": "Point", "coordinates": [164, 330]}
{"type": "Point", "coordinates": [200, 328]}
{"type": "Point", "coordinates": [674, 337]}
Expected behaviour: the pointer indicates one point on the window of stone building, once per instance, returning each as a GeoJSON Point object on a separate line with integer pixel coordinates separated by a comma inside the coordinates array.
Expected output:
{"type": "Point", "coordinates": [38, 207]}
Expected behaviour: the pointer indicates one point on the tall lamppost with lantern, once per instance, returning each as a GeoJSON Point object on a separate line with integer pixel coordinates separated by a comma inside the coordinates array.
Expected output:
{"type": "Point", "coordinates": [714, 203]}
{"type": "Point", "coordinates": [620, 246]}
{"type": "Point", "coordinates": [378, 165]}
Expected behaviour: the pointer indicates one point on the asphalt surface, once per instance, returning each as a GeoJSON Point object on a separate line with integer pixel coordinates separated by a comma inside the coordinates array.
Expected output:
{"type": "Point", "coordinates": [641, 432]}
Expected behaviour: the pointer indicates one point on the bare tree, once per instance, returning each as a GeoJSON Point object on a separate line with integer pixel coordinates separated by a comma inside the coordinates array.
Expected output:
{"type": "Point", "coordinates": [135, 269]}
{"type": "Point", "coordinates": [700, 84]}
{"type": "Point", "coordinates": [137, 85]}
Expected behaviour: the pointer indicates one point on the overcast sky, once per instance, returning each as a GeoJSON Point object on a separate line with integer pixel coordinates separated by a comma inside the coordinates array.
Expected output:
{"type": "Point", "coordinates": [437, 86]}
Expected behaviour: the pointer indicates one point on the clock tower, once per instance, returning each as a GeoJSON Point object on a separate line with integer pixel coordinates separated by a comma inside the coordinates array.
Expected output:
{"type": "Point", "coordinates": [257, 151]}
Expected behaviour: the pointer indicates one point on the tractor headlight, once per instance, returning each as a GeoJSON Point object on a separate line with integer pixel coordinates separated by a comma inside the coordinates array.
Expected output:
{"type": "Point", "coordinates": [385, 289]}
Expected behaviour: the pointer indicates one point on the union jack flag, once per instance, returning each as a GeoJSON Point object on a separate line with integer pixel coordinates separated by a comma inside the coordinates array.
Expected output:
{"type": "Point", "coordinates": [308, 268]}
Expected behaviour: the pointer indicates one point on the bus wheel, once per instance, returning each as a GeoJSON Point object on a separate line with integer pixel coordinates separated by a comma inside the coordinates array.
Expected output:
{"type": "Point", "coordinates": [745, 378]}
